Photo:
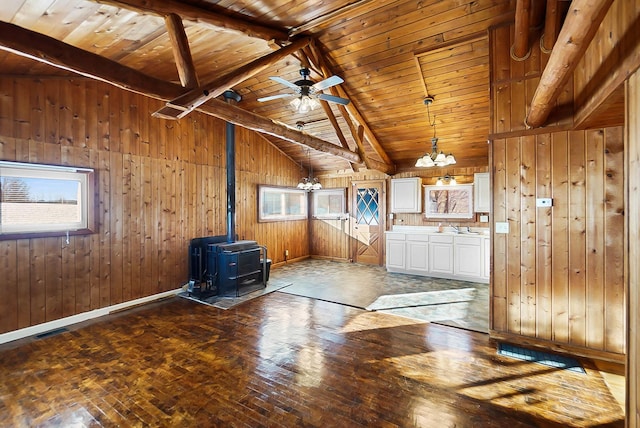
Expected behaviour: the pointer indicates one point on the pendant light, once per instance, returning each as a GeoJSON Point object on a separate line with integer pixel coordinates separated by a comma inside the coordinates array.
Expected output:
{"type": "Point", "coordinates": [309, 183]}
{"type": "Point", "coordinates": [435, 158]}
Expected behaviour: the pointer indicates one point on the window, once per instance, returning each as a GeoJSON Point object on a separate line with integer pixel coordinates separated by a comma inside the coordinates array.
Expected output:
{"type": "Point", "coordinates": [44, 200]}
{"type": "Point", "coordinates": [281, 204]}
{"type": "Point", "coordinates": [449, 201]}
{"type": "Point", "coordinates": [328, 203]}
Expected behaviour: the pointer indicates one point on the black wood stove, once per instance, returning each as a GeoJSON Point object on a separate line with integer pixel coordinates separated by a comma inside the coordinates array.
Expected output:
{"type": "Point", "coordinates": [218, 267]}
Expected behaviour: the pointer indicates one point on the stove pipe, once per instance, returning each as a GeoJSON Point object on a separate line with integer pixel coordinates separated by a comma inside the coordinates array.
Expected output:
{"type": "Point", "coordinates": [231, 97]}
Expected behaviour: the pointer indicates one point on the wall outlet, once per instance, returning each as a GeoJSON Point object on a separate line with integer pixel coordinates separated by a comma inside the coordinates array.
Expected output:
{"type": "Point", "coordinates": [286, 253]}
{"type": "Point", "coordinates": [484, 219]}
{"type": "Point", "coordinates": [502, 227]}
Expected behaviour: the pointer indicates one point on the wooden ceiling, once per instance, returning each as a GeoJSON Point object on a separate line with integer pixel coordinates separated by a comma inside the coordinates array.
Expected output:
{"type": "Point", "coordinates": [389, 53]}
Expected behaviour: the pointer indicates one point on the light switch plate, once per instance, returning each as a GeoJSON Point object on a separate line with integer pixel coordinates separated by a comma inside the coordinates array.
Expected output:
{"type": "Point", "coordinates": [544, 202]}
{"type": "Point", "coordinates": [484, 219]}
{"type": "Point", "coordinates": [502, 227]}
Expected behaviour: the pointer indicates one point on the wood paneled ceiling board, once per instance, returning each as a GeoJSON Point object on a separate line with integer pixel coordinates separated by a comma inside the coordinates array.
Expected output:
{"type": "Point", "coordinates": [372, 45]}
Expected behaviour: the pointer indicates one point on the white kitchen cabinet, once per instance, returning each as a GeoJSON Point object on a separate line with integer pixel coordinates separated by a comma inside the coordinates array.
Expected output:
{"type": "Point", "coordinates": [417, 255]}
{"type": "Point", "coordinates": [395, 252]}
{"type": "Point", "coordinates": [441, 254]}
{"type": "Point", "coordinates": [468, 256]}
{"type": "Point", "coordinates": [482, 192]}
{"type": "Point", "coordinates": [406, 195]}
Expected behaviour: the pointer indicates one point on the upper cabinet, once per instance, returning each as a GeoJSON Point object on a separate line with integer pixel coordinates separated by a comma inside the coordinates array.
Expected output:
{"type": "Point", "coordinates": [482, 192]}
{"type": "Point", "coordinates": [406, 195]}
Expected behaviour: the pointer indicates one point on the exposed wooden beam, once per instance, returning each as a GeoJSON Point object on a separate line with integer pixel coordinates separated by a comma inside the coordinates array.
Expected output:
{"type": "Point", "coordinates": [255, 122]}
{"type": "Point", "coordinates": [181, 51]}
{"type": "Point", "coordinates": [51, 51]}
{"type": "Point", "coordinates": [357, 130]}
{"type": "Point", "coordinates": [198, 96]}
{"type": "Point", "coordinates": [628, 50]}
{"type": "Point", "coordinates": [579, 27]}
{"type": "Point", "coordinates": [351, 108]}
{"type": "Point", "coordinates": [336, 127]}
{"type": "Point", "coordinates": [537, 13]}
{"type": "Point", "coordinates": [551, 26]}
{"type": "Point", "coordinates": [61, 55]}
{"type": "Point", "coordinates": [520, 49]}
{"type": "Point", "coordinates": [199, 16]}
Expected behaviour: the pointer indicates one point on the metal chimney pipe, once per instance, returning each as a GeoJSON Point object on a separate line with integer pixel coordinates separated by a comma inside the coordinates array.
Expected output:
{"type": "Point", "coordinates": [231, 97]}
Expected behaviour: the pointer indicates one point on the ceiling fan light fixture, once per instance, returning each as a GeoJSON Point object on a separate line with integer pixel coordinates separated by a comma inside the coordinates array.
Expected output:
{"type": "Point", "coordinates": [304, 104]}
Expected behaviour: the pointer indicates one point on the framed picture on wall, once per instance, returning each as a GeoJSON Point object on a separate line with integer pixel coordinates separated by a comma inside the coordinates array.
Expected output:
{"type": "Point", "coordinates": [448, 201]}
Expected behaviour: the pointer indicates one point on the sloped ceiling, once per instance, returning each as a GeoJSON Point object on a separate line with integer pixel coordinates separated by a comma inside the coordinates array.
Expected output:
{"type": "Point", "coordinates": [390, 55]}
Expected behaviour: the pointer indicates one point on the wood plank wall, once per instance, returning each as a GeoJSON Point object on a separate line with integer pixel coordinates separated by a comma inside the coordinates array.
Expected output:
{"type": "Point", "coordinates": [558, 277]}
{"type": "Point", "coordinates": [159, 184]}
{"type": "Point", "coordinates": [632, 148]}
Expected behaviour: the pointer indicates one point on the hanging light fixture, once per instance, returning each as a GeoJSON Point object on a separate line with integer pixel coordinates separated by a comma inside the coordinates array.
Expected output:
{"type": "Point", "coordinates": [448, 179]}
{"type": "Point", "coordinates": [309, 183]}
{"type": "Point", "coordinates": [435, 158]}
{"type": "Point", "coordinates": [304, 103]}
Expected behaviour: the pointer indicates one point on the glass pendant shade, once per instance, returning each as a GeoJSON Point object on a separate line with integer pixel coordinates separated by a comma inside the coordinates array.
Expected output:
{"type": "Point", "coordinates": [304, 104]}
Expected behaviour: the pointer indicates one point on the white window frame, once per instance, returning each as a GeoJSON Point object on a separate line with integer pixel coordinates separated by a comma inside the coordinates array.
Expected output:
{"type": "Point", "coordinates": [329, 203]}
{"type": "Point", "coordinates": [84, 176]}
{"type": "Point", "coordinates": [283, 194]}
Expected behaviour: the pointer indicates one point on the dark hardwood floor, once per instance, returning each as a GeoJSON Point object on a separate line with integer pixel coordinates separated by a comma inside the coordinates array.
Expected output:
{"type": "Point", "coordinates": [285, 360]}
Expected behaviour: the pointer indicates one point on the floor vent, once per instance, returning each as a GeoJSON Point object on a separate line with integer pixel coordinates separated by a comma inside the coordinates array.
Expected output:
{"type": "Point", "coordinates": [51, 333]}
{"type": "Point", "coordinates": [545, 358]}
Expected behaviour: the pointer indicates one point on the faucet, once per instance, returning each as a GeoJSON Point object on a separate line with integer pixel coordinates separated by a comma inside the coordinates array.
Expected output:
{"type": "Point", "coordinates": [456, 229]}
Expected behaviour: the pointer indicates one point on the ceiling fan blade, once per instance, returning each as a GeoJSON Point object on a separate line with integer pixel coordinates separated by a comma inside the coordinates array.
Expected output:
{"type": "Point", "coordinates": [333, 99]}
{"type": "Point", "coordinates": [327, 83]}
{"type": "Point", "coordinates": [284, 82]}
{"type": "Point", "coordinates": [274, 97]}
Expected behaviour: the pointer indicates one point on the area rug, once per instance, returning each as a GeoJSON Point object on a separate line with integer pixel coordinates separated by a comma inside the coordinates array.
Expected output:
{"type": "Point", "coordinates": [223, 302]}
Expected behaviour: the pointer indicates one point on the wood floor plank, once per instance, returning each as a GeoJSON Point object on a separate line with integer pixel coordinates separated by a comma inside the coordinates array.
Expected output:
{"type": "Point", "coordinates": [283, 360]}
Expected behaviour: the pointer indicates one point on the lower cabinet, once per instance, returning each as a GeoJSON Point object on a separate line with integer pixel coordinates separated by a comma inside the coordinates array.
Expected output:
{"type": "Point", "coordinates": [395, 251]}
{"type": "Point", "coordinates": [439, 255]}
{"type": "Point", "coordinates": [468, 256]}
{"type": "Point", "coordinates": [441, 250]}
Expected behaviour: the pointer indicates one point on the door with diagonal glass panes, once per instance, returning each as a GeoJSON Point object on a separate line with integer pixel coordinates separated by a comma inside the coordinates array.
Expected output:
{"type": "Point", "coordinates": [368, 221]}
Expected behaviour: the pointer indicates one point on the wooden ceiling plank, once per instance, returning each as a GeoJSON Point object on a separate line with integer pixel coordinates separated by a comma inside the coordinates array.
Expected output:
{"type": "Point", "coordinates": [48, 50]}
{"type": "Point", "coordinates": [334, 15]}
{"type": "Point", "coordinates": [45, 49]}
{"type": "Point", "coordinates": [200, 16]}
{"type": "Point", "coordinates": [578, 30]}
{"type": "Point", "coordinates": [198, 96]}
{"type": "Point", "coordinates": [181, 51]}
{"type": "Point", "coordinates": [352, 109]}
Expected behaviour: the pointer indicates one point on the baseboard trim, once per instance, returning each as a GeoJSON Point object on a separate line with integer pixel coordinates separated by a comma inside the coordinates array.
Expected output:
{"type": "Point", "coordinates": [74, 319]}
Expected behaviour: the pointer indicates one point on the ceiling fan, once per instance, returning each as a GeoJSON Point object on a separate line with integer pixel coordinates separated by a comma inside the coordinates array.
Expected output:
{"type": "Point", "coordinates": [307, 92]}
